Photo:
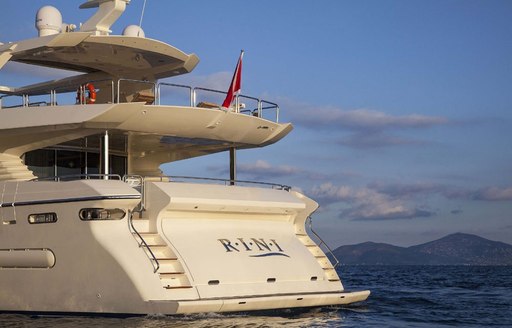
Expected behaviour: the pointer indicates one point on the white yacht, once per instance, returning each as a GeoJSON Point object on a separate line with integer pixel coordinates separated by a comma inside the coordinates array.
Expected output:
{"type": "Point", "coordinates": [88, 221]}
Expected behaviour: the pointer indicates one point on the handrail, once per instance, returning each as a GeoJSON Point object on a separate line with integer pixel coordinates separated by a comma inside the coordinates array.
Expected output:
{"type": "Point", "coordinates": [272, 105]}
{"type": "Point", "coordinates": [140, 179]}
{"type": "Point", "coordinates": [25, 98]}
{"type": "Point", "coordinates": [115, 85]}
{"type": "Point", "coordinates": [143, 242]}
{"type": "Point", "coordinates": [258, 105]}
{"type": "Point", "coordinates": [81, 88]}
{"type": "Point", "coordinates": [210, 90]}
{"type": "Point", "coordinates": [173, 178]}
{"type": "Point", "coordinates": [191, 91]}
{"type": "Point", "coordinates": [194, 94]}
{"type": "Point", "coordinates": [78, 177]}
{"type": "Point", "coordinates": [322, 242]}
{"type": "Point", "coordinates": [154, 86]}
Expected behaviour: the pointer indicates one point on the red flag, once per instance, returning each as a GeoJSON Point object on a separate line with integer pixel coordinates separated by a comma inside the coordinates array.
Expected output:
{"type": "Point", "coordinates": [236, 83]}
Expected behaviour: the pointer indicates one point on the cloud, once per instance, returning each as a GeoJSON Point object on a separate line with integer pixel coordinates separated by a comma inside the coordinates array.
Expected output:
{"type": "Point", "coordinates": [392, 201]}
{"type": "Point", "coordinates": [488, 194]}
{"type": "Point", "coordinates": [364, 213]}
{"type": "Point", "coordinates": [493, 194]}
{"type": "Point", "coordinates": [367, 128]}
{"type": "Point", "coordinates": [365, 203]}
{"type": "Point", "coordinates": [375, 139]}
{"type": "Point", "coordinates": [388, 201]}
{"type": "Point", "coordinates": [358, 119]}
{"type": "Point", "coordinates": [263, 171]}
{"type": "Point", "coordinates": [263, 168]}
{"type": "Point", "coordinates": [423, 189]}
{"type": "Point", "coordinates": [411, 190]}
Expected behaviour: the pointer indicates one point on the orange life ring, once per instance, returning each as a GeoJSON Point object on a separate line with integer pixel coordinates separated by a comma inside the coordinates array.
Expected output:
{"type": "Point", "coordinates": [91, 94]}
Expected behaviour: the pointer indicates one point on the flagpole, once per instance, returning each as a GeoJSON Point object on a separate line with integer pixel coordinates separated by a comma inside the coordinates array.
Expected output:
{"type": "Point", "coordinates": [237, 101]}
{"type": "Point", "coordinates": [235, 83]}
{"type": "Point", "coordinates": [232, 165]}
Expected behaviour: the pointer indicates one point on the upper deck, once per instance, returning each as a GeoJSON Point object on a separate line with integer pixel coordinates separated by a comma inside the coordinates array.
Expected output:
{"type": "Point", "coordinates": [156, 122]}
{"type": "Point", "coordinates": [92, 50]}
{"type": "Point", "coordinates": [101, 55]}
{"type": "Point", "coordinates": [153, 133]}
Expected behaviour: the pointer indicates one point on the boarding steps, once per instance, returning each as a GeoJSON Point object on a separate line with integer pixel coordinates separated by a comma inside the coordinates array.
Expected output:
{"type": "Point", "coordinates": [170, 270]}
{"type": "Point", "coordinates": [323, 260]}
{"type": "Point", "coordinates": [12, 168]}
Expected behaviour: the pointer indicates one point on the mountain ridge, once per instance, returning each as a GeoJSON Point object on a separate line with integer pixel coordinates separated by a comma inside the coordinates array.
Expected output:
{"type": "Point", "coordinates": [454, 249]}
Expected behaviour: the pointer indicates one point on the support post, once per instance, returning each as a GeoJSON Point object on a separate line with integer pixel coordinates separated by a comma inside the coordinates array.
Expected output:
{"type": "Point", "coordinates": [232, 165]}
{"type": "Point", "coordinates": [105, 155]}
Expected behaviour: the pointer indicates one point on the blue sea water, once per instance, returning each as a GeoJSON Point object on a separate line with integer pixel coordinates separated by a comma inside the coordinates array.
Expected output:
{"type": "Point", "coordinates": [402, 296]}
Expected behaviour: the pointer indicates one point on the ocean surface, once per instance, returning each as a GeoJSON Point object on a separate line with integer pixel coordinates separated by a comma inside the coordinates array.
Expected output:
{"type": "Point", "coordinates": [402, 296]}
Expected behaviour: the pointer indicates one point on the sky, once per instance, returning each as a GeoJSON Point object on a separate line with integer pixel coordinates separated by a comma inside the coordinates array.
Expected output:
{"type": "Point", "coordinates": [402, 110]}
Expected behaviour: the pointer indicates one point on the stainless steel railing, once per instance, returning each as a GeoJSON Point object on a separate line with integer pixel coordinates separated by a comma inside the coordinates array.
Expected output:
{"type": "Point", "coordinates": [122, 88]}
{"type": "Point", "coordinates": [329, 253]}
{"type": "Point", "coordinates": [173, 85]}
{"type": "Point", "coordinates": [152, 85]}
{"type": "Point", "coordinates": [72, 177]}
{"type": "Point", "coordinates": [178, 179]}
{"type": "Point", "coordinates": [261, 108]}
{"type": "Point", "coordinates": [142, 243]}
{"type": "Point", "coordinates": [138, 182]}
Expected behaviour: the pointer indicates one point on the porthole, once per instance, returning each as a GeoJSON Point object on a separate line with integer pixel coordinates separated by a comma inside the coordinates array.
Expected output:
{"type": "Point", "coordinates": [93, 214]}
{"type": "Point", "coordinates": [42, 218]}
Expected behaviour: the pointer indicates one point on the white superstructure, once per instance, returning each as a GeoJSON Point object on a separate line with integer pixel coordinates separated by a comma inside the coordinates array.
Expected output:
{"type": "Point", "coordinates": [88, 222]}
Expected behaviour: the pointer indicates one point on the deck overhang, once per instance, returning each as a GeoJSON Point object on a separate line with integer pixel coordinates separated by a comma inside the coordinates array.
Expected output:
{"type": "Point", "coordinates": [114, 55]}
{"type": "Point", "coordinates": [155, 134]}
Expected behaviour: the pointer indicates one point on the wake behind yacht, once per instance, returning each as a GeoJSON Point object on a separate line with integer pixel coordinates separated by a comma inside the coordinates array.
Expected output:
{"type": "Point", "coordinates": [88, 221]}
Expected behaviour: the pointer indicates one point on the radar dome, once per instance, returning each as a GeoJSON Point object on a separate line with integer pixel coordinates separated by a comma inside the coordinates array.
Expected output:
{"type": "Point", "coordinates": [48, 21]}
{"type": "Point", "coordinates": [134, 30]}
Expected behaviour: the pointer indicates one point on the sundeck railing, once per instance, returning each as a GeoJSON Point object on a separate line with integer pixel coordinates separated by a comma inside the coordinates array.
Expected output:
{"type": "Point", "coordinates": [120, 91]}
{"type": "Point", "coordinates": [130, 90]}
{"type": "Point", "coordinates": [25, 101]}
{"type": "Point", "coordinates": [81, 90]}
{"type": "Point", "coordinates": [177, 86]}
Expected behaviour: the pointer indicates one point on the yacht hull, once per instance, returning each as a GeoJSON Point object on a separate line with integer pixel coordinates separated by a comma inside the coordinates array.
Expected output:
{"type": "Point", "coordinates": [193, 248]}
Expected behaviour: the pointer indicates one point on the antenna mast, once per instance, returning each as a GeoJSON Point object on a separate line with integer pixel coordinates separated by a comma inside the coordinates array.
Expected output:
{"type": "Point", "coordinates": [142, 14]}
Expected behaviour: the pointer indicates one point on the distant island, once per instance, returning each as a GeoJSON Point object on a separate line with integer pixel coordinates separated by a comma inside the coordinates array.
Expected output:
{"type": "Point", "coordinates": [454, 249]}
